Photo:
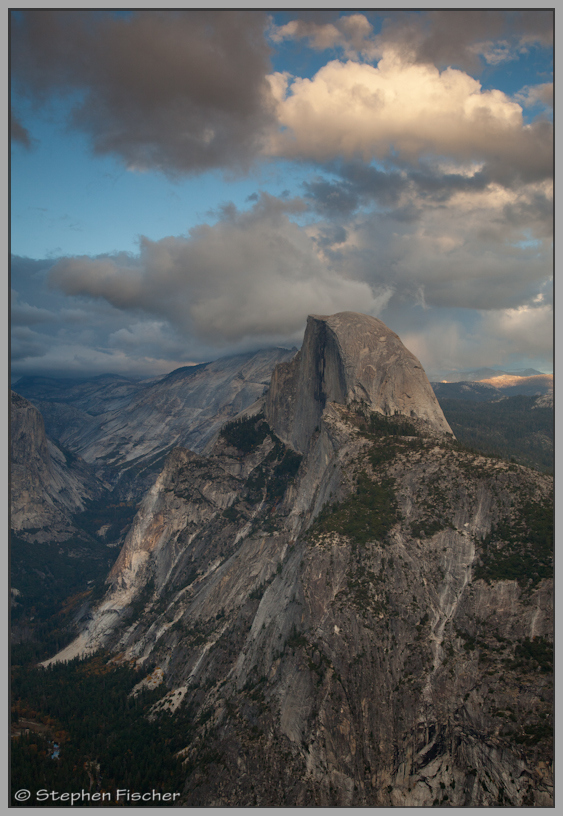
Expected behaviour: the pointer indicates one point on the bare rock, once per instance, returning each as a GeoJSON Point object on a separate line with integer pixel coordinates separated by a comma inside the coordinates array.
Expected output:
{"type": "Point", "coordinates": [349, 358]}
{"type": "Point", "coordinates": [47, 485]}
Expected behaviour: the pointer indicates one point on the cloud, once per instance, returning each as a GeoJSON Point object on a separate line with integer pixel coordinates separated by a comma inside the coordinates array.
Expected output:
{"type": "Point", "coordinates": [25, 314]}
{"type": "Point", "coordinates": [18, 133]}
{"type": "Point", "coordinates": [461, 339]}
{"type": "Point", "coordinates": [430, 202]}
{"type": "Point", "coordinates": [26, 343]}
{"type": "Point", "coordinates": [531, 95]}
{"type": "Point", "coordinates": [39, 354]}
{"type": "Point", "coordinates": [187, 91]}
{"type": "Point", "coordinates": [494, 53]}
{"type": "Point", "coordinates": [176, 91]}
{"type": "Point", "coordinates": [251, 278]}
{"type": "Point", "coordinates": [464, 38]}
{"type": "Point", "coordinates": [526, 330]}
{"type": "Point", "coordinates": [431, 262]}
{"type": "Point", "coordinates": [405, 112]}
{"type": "Point", "coordinates": [357, 185]}
{"type": "Point", "coordinates": [484, 249]}
{"type": "Point", "coordinates": [447, 252]}
{"type": "Point", "coordinates": [353, 33]}
{"type": "Point", "coordinates": [331, 198]}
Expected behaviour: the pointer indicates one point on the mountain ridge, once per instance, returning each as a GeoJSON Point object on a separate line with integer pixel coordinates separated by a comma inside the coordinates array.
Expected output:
{"type": "Point", "coordinates": [349, 624]}
{"type": "Point", "coordinates": [126, 428]}
{"type": "Point", "coordinates": [322, 595]}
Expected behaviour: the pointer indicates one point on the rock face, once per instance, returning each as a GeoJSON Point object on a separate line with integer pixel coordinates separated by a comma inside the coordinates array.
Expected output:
{"type": "Point", "coordinates": [366, 624]}
{"type": "Point", "coordinates": [125, 429]}
{"type": "Point", "coordinates": [47, 487]}
{"type": "Point", "coordinates": [348, 358]}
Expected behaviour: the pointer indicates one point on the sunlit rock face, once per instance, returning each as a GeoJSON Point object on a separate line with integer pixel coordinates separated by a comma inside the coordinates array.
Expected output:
{"type": "Point", "coordinates": [348, 358]}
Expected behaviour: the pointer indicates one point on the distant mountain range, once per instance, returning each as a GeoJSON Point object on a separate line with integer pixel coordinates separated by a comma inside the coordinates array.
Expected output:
{"type": "Point", "coordinates": [125, 428]}
{"type": "Point", "coordinates": [505, 385]}
{"type": "Point", "coordinates": [477, 374]}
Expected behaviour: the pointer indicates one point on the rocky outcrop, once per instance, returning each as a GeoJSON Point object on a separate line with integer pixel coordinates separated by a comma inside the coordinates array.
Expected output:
{"type": "Point", "coordinates": [349, 358]}
{"type": "Point", "coordinates": [47, 485]}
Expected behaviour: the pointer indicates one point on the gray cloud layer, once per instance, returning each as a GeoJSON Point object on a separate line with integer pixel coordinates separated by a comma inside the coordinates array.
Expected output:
{"type": "Point", "coordinates": [253, 276]}
{"type": "Point", "coordinates": [177, 91]}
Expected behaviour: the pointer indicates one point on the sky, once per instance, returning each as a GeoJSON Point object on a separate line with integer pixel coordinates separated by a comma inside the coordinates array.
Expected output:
{"type": "Point", "coordinates": [192, 184]}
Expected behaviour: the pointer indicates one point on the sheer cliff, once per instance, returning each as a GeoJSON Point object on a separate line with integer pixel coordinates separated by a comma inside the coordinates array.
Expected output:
{"type": "Point", "coordinates": [47, 485]}
{"type": "Point", "coordinates": [348, 358]}
{"type": "Point", "coordinates": [353, 609]}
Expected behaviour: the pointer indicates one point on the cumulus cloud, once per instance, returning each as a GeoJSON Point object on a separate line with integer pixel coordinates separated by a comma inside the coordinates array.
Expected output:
{"type": "Point", "coordinates": [431, 265]}
{"type": "Point", "coordinates": [186, 91]}
{"type": "Point", "coordinates": [354, 110]}
{"type": "Point", "coordinates": [253, 276]}
{"type": "Point", "coordinates": [177, 91]}
{"type": "Point", "coordinates": [483, 249]}
{"type": "Point", "coordinates": [354, 185]}
{"type": "Point", "coordinates": [251, 279]}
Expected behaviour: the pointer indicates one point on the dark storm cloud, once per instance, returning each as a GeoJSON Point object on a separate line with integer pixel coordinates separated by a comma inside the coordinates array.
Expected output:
{"type": "Point", "coordinates": [18, 133]}
{"type": "Point", "coordinates": [177, 91]}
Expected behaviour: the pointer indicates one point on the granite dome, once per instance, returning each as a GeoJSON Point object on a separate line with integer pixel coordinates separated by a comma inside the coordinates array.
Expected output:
{"type": "Point", "coordinates": [349, 358]}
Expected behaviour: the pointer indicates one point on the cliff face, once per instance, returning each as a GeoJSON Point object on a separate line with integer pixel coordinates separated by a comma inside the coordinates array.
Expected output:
{"type": "Point", "coordinates": [368, 624]}
{"type": "Point", "coordinates": [47, 487]}
{"type": "Point", "coordinates": [126, 429]}
{"type": "Point", "coordinates": [348, 358]}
